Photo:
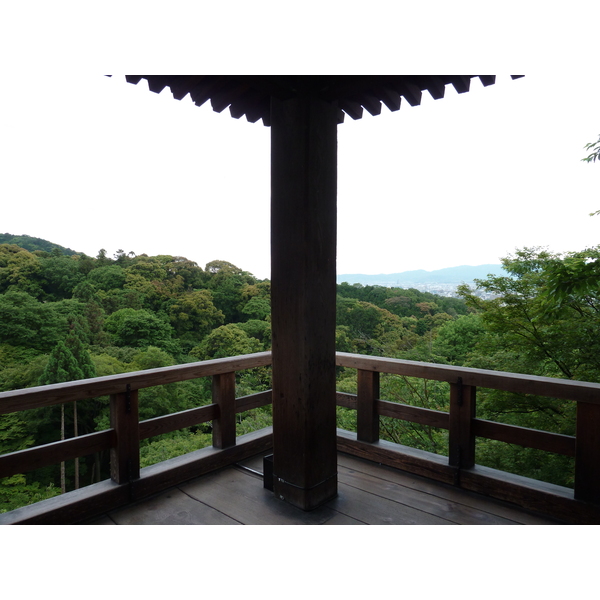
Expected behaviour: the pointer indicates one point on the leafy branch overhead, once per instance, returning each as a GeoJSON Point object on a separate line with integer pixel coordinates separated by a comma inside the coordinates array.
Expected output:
{"type": "Point", "coordinates": [595, 151]}
{"type": "Point", "coordinates": [594, 154]}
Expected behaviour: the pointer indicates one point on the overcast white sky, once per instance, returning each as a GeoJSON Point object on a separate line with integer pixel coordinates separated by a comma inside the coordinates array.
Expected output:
{"type": "Point", "coordinates": [96, 162]}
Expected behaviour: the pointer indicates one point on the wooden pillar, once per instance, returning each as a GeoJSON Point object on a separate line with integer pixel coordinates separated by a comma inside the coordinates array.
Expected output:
{"type": "Point", "coordinates": [303, 291]}
{"type": "Point", "coordinates": [587, 453]}
{"type": "Point", "coordinates": [367, 418]}
{"type": "Point", "coordinates": [223, 394]}
{"type": "Point", "coordinates": [461, 438]}
{"type": "Point", "coordinates": [125, 455]}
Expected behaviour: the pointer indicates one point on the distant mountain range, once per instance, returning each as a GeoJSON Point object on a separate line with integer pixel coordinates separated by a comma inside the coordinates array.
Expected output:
{"type": "Point", "coordinates": [450, 276]}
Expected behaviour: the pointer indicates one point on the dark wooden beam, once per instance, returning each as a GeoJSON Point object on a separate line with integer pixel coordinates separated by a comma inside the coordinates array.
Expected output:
{"type": "Point", "coordinates": [461, 83]}
{"type": "Point", "coordinates": [367, 419]}
{"type": "Point", "coordinates": [487, 80]}
{"type": "Point", "coordinates": [223, 393]}
{"type": "Point", "coordinates": [352, 108]}
{"type": "Point", "coordinates": [436, 87]}
{"type": "Point", "coordinates": [587, 453]}
{"type": "Point", "coordinates": [303, 280]}
{"type": "Point", "coordinates": [461, 440]}
{"type": "Point", "coordinates": [389, 97]}
{"type": "Point", "coordinates": [125, 454]}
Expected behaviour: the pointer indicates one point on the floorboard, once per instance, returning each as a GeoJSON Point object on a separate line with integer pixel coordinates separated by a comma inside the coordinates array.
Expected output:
{"type": "Point", "coordinates": [243, 497]}
{"type": "Point", "coordinates": [368, 493]}
{"type": "Point", "coordinates": [450, 511]}
{"type": "Point", "coordinates": [476, 509]}
{"type": "Point", "coordinates": [173, 507]}
{"type": "Point", "coordinates": [371, 509]}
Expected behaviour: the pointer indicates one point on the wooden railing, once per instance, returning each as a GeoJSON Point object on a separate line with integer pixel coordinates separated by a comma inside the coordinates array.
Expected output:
{"type": "Point", "coordinates": [122, 439]}
{"type": "Point", "coordinates": [463, 427]}
{"type": "Point", "coordinates": [459, 468]}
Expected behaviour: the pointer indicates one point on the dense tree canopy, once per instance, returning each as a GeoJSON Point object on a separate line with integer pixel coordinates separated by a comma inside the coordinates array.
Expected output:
{"type": "Point", "coordinates": [66, 316]}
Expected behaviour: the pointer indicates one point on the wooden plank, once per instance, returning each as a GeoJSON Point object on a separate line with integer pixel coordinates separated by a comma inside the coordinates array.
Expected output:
{"type": "Point", "coordinates": [414, 414]}
{"type": "Point", "coordinates": [346, 400]}
{"type": "Point", "coordinates": [49, 395]}
{"type": "Point", "coordinates": [242, 497]}
{"type": "Point", "coordinates": [372, 509]}
{"type": "Point", "coordinates": [85, 503]}
{"type": "Point", "coordinates": [587, 459]}
{"type": "Point", "coordinates": [471, 501]}
{"type": "Point", "coordinates": [125, 453]}
{"type": "Point", "coordinates": [566, 389]}
{"type": "Point", "coordinates": [172, 507]}
{"type": "Point", "coordinates": [461, 439]}
{"type": "Point", "coordinates": [367, 419]}
{"type": "Point", "coordinates": [181, 420]}
{"type": "Point", "coordinates": [54, 453]}
{"type": "Point", "coordinates": [303, 293]}
{"type": "Point", "coordinates": [202, 414]}
{"type": "Point", "coordinates": [523, 436]}
{"type": "Point", "coordinates": [100, 498]}
{"type": "Point", "coordinates": [341, 519]}
{"type": "Point", "coordinates": [161, 476]}
{"type": "Point", "coordinates": [405, 458]}
{"type": "Point", "coordinates": [536, 496]}
{"type": "Point", "coordinates": [252, 401]}
{"type": "Point", "coordinates": [223, 393]}
{"type": "Point", "coordinates": [454, 511]}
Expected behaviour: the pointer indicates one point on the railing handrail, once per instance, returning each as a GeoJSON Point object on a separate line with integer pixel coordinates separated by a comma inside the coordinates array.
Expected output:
{"type": "Point", "coordinates": [463, 425]}
{"type": "Point", "coordinates": [566, 389]}
{"type": "Point", "coordinates": [126, 430]}
{"type": "Point", "coordinates": [48, 395]}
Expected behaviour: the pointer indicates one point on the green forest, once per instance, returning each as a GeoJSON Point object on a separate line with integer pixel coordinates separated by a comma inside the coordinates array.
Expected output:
{"type": "Point", "coordinates": [67, 316]}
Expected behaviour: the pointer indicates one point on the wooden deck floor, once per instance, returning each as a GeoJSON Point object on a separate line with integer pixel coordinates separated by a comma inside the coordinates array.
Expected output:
{"type": "Point", "coordinates": [367, 494]}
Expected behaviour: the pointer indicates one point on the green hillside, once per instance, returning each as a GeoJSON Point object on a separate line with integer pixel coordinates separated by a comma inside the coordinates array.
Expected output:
{"type": "Point", "coordinates": [33, 243]}
{"type": "Point", "coordinates": [101, 316]}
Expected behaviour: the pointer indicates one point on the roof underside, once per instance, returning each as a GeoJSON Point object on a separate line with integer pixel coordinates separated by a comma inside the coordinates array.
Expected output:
{"type": "Point", "coordinates": [250, 95]}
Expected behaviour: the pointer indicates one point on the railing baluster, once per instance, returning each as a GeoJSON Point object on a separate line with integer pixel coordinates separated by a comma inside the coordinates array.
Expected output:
{"type": "Point", "coordinates": [587, 453]}
{"type": "Point", "coordinates": [124, 419]}
{"type": "Point", "coordinates": [461, 438]}
{"type": "Point", "coordinates": [223, 392]}
{"type": "Point", "coordinates": [367, 419]}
